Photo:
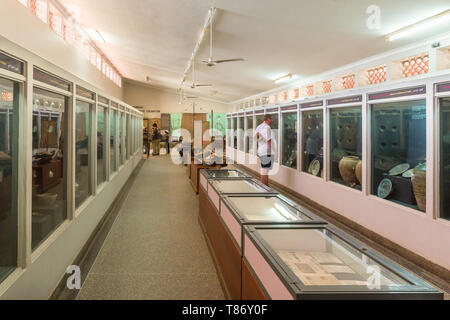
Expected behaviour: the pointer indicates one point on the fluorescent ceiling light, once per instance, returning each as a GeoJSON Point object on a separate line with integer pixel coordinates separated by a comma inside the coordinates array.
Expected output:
{"type": "Point", "coordinates": [419, 26]}
{"type": "Point", "coordinates": [100, 35]}
{"type": "Point", "coordinates": [284, 78]}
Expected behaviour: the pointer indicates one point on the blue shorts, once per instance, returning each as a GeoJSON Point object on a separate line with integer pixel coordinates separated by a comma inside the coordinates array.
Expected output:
{"type": "Point", "coordinates": [266, 162]}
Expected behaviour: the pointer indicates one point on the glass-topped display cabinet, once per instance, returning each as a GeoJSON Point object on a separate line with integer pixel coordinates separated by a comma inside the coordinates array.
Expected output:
{"type": "Point", "coordinates": [232, 174]}
{"type": "Point", "coordinates": [242, 186]}
{"type": "Point", "coordinates": [445, 158]}
{"type": "Point", "coordinates": [346, 146]}
{"type": "Point", "coordinates": [312, 142]}
{"type": "Point", "coordinates": [241, 132]}
{"type": "Point", "coordinates": [224, 174]}
{"type": "Point", "coordinates": [262, 209]}
{"type": "Point", "coordinates": [289, 140]}
{"type": "Point", "coordinates": [82, 152]}
{"type": "Point", "coordinates": [320, 262]}
{"type": "Point", "coordinates": [399, 152]}
{"type": "Point", "coordinates": [249, 131]}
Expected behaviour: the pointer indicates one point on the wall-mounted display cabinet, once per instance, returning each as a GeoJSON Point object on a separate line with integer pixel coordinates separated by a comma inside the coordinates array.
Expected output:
{"type": "Point", "coordinates": [319, 262]}
{"type": "Point", "coordinates": [389, 143]}
{"type": "Point", "coordinates": [49, 176]}
{"type": "Point", "coordinates": [289, 134]}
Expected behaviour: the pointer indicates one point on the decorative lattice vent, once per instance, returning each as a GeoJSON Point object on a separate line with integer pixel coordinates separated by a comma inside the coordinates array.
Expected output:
{"type": "Point", "coordinates": [377, 75]}
{"type": "Point", "coordinates": [414, 66]}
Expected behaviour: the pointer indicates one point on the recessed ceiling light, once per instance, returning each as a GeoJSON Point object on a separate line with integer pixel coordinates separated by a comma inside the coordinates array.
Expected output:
{"type": "Point", "coordinates": [419, 26]}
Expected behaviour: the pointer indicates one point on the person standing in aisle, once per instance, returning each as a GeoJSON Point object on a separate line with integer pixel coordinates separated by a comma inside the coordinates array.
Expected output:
{"type": "Point", "coordinates": [156, 139]}
{"type": "Point", "coordinates": [263, 137]}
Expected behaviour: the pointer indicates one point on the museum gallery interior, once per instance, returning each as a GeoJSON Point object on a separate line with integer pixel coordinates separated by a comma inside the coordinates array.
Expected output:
{"type": "Point", "coordinates": [134, 137]}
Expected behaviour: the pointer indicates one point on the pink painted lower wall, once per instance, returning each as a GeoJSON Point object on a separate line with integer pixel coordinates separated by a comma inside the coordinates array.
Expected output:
{"type": "Point", "coordinates": [411, 229]}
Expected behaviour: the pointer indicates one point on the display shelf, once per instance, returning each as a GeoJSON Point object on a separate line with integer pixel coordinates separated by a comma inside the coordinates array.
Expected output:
{"type": "Point", "coordinates": [320, 262]}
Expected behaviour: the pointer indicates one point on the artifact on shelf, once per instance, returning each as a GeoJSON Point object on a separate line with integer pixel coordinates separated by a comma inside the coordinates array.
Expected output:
{"type": "Point", "coordinates": [347, 167]}
{"type": "Point", "coordinates": [384, 188]}
{"type": "Point", "coordinates": [338, 154]}
{"type": "Point", "coordinates": [408, 173]}
{"type": "Point", "coordinates": [399, 169]}
{"type": "Point", "coordinates": [358, 171]}
{"type": "Point", "coordinates": [419, 185]}
{"type": "Point", "coordinates": [314, 167]}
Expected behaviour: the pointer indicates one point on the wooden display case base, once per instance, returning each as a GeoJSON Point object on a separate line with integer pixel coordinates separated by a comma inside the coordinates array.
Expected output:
{"type": "Point", "coordinates": [195, 175]}
{"type": "Point", "coordinates": [251, 289]}
{"type": "Point", "coordinates": [227, 254]}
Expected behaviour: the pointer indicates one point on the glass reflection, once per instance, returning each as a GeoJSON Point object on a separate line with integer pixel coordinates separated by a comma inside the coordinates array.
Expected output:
{"type": "Point", "coordinates": [234, 120]}
{"type": "Point", "coordinates": [82, 152]}
{"type": "Point", "coordinates": [49, 150]}
{"type": "Point", "coordinates": [9, 107]}
{"type": "Point", "coordinates": [120, 138]}
{"type": "Point", "coordinates": [313, 142]}
{"type": "Point", "coordinates": [399, 151]}
{"type": "Point", "coordinates": [249, 134]}
{"type": "Point", "coordinates": [241, 133]}
{"type": "Point", "coordinates": [320, 258]}
{"type": "Point", "coordinates": [445, 158]}
{"type": "Point", "coordinates": [101, 147]}
{"type": "Point", "coordinates": [112, 141]}
{"type": "Point", "coordinates": [289, 148]}
{"type": "Point", "coordinates": [345, 146]}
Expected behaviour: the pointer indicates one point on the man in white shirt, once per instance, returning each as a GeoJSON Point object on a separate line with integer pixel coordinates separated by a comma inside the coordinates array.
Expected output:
{"type": "Point", "coordinates": [263, 137]}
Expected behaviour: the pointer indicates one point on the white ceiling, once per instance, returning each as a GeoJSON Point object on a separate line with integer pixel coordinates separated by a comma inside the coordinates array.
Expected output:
{"type": "Point", "coordinates": [155, 38]}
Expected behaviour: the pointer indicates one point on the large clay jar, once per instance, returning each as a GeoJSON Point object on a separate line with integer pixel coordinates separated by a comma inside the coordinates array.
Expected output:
{"type": "Point", "coordinates": [358, 171]}
{"type": "Point", "coordinates": [419, 186]}
{"type": "Point", "coordinates": [347, 167]}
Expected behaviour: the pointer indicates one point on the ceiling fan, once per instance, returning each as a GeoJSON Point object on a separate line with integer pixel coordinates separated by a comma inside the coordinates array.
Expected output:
{"type": "Point", "coordinates": [194, 85]}
{"type": "Point", "coordinates": [211, 62]}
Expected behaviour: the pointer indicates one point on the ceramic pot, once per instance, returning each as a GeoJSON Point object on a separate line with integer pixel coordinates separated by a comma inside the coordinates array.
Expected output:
{"type": "Point", "coordinates": [358, 171]}
{"type": "Point", "coordinates": [347, 167]}
{"type": "Point", "coordinates": [419, 186]}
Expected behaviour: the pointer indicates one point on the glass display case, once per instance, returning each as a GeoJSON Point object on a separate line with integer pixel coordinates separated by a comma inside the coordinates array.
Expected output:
{"type": "Point", "coordinates": [82, 152]}
{"type": "Point", "coordinates": [101, 147]}
{"type": "Point", "coordinates": [243, 186]}
{"type": "Point", "coordinates": [312, 143]}
{"type": "Point", "coordinates": [320, 262]}
{"type": "Point", "coordinates": [289, 140]}
{"type": "Point", "coordinates": [48, 163]}
{"type": "Point", "coordinates": [259, 118]}
{"type": "Point", "coordinates": [399, 152]}
{"type": "Point", "coordinates": [275, 126]}
{"type": "Point", "coordinates": [241, 133]}
{"type": "Point", "coordinates": [346, 146]}
{"type": "Point", "coordinates": [445, 158]}
{"type": "Point", "coordinates": [112, 141]}
{"type": "Point", "coordinates": [263, 209]}
{"type": "Point", "coordinates": [224, 174]}
{"type": "Point", "coordinates": [235, 138]}
{"type": "Point", "coordinates": [249, 131]}
{"type": "Point", "coordinates": [120, 138]}
{"type": "Point", "coordinates": [9, 121]}
{"type": "Point", "coordinates": [229, 132]}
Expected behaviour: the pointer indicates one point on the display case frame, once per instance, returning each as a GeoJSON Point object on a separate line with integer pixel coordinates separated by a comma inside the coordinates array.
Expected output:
{"type": "Point", "coordinates": [298, 291]}
{"type": "Point", "coordinates": [205, 175]}
{"type": "Point", "coordinates": [288, 109]}
{"type": "Point", "coordinates": [336, 103]}
{"type": "Point", "coordinates": [441, 90]}
{"type": "Point", "coordinates": [314, 105]}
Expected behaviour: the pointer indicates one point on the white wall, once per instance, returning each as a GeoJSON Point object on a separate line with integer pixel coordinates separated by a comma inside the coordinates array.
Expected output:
{"type": "Point", "coordinates": [167, 101]}
{"type": "Point", "coordinates": [20, 26]}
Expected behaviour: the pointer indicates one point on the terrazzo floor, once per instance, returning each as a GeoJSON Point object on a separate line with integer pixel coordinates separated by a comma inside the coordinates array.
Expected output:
{"type": "Point", "coordinates": [155, 248]}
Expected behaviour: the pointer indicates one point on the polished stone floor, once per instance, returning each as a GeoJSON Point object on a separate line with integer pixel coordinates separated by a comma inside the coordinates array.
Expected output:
{"type": "Point", "coordinates": [155, 248]}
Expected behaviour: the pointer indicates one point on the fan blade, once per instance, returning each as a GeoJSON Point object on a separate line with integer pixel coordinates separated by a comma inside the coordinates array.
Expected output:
{"type": "Point", "coordinates": [203, 85]}
{"type": "Point", "coordinates": [229, 60]}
